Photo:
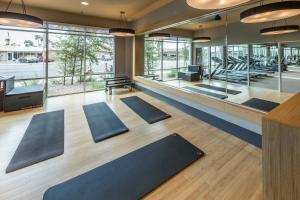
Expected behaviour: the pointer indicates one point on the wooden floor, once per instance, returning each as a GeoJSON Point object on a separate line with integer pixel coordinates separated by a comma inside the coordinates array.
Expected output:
{"type": "Point", "coordinates": [231, 169]}
{"type": "Point", "coordinates": [247, 92]}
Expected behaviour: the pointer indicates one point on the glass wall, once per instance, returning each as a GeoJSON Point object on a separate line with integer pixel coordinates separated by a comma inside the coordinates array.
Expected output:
{"type": "Point", "coordinates": [79, 58]}
{"type": "Point", "coordinates": [291, 63]}
{"type": "Point", "coordinates": [166, 57]}
{"type": "Point", "coordinates": [153, 57]}
{"type": "Point", "coordinates": [22, 55]}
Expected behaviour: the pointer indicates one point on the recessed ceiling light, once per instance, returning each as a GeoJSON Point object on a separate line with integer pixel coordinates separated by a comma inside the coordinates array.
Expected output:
{"type": "Point", "coordinates": [85, 3]}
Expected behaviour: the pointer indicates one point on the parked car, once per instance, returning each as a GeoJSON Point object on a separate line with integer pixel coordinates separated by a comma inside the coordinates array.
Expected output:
{"type": "Point", "coordinates": [28, 60]}
{"type": "Point", "coordinates": [41, 59]}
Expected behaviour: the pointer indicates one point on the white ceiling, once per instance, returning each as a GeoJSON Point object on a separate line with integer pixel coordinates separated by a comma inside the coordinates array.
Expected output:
{"type": "Point", "coordinates": [101, 8]}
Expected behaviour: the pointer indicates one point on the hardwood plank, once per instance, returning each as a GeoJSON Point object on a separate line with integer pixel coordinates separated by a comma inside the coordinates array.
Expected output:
{"type": "Point", "coordinates": [230, 163]}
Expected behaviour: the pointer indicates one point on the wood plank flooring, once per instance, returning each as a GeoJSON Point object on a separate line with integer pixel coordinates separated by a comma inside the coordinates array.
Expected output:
{"type": "Point", "coordinates": [231, 169]}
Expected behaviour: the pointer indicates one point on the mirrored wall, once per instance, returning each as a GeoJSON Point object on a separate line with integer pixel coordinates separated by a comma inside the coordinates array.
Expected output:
{"type": "Point", "coordinates": [237, 56]}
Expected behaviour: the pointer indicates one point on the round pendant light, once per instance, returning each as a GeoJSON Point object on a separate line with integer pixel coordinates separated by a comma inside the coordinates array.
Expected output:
{"type": "Point", "coordinates": [214, 4]}
{"type": "Point", "coordinates": [19, 19]}
{"type": "Point", "coordinates": [201, 39]}
{"type": "Point", "coordinates": [271, 12]}
{"type": "Point", "coordinates": [159, 36]}
{"type": "Point", "coordinates": [122, 32]}
{"type": "Point", "coordinates": [279, 30]}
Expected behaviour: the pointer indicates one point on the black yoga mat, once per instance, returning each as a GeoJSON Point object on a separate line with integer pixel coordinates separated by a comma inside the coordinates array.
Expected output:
{"type": "Point", "coordinates": [103, 122]}
{"type": "Point", "coordinates": [43, 139]}
{"type": "Point", "coordinates": [131, 176]}
{"type": "Point", "coordinates": [261, 104]}
{"type": "Point", "coordinates": [145, 110]}
{"type": "Point", "coordinates": [219, 96]}
{"type": "Point", "coordinates": [220, 89]}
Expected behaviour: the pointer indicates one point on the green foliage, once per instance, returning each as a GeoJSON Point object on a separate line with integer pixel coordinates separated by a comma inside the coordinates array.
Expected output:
{"type": "Point", "coordinates": [152, 54]}
{"type": "Point", "coordinates": [72, 54]}
{"type": "Point", "coordinates": [172, 73]}
{"type": "Point", "coordinates": [185, 52]}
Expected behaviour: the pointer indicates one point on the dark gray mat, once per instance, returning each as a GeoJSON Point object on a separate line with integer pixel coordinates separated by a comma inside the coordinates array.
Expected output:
{"type": "Point", "coordinates": [131, 176]}
{"type": "Point", "coordinates": [43, 139]}
{"type": "Point", "coordinates": [145, 110]}
{"type": "Point", "coordinates": [103, 122]}
{"type": "Point", "coordinates": [219, 96]}
{"type": "Point", "coordinates": [261, 104]}
{"type": "Point", "coordinates": [220, 89]}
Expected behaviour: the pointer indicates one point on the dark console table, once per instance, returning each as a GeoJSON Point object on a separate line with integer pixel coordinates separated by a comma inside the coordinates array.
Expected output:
{"type": "Point", "coordinates": [194, 73]}
{"type": "Point", "coordinates": [17, 98]}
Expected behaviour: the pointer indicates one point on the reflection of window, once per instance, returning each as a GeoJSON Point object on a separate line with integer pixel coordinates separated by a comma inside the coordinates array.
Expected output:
{"type": "Point", "coordinates": [165, 58]}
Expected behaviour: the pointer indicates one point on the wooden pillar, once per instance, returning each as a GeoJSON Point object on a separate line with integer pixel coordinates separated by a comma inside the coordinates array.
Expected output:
{"type": "Point", "coordinates": [281, 151]}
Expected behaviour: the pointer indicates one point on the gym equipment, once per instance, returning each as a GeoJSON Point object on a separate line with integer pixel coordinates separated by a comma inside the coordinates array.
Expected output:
{"type": "Point", "coordinates": [103, 122]}
{"type": "Point", "coordinates": [145, 110]}
{"type": "Point", "coordinates": [43, 139]}
{"type": "Point", "coordinates": [219, 96]}
{"type": "Point", "coordinates": [261, 104]}
{"type": "Point", "coordinates": [220, 89]}
{"type": "Point", "coordinates": [117, 82]}
{"type": "Point", "coordinates": [132, 176]}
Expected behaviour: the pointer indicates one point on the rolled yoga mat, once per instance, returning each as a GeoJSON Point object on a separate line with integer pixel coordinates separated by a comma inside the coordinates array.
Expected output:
{"type": "Point", "coordinates": [43, 139]}
{"type": "Point", "coordinates": [261, 104]}
{"type": "Point", "coordinates": [145, 110]}
{"type": "Point", "coordinates": [219, 96]}
{"type": "Point", "coordinates": [132, 176]}
{"type": "Point", "coordinates": [220, 89]}
{"type": "Point", "coordinates": [103, 122]}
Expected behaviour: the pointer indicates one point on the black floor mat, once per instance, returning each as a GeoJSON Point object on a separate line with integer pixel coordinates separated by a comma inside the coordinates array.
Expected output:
{"type": "Point", "coordinates": [43, 139]}
{"type": "Point", "coordinates": [145, 110]}
{"type": "Point", "coordinates": [220, 89]}
{"type": "Point", "coordinates": [219, 96]}
{"type": "Point", "coordinates": [103, 122]}
{"type": "Point", "coordinates": [261, 104]}
{"type": "Point", "coordinates": [131, 176]}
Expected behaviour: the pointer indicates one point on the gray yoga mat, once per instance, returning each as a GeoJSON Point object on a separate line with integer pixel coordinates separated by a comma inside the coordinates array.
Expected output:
{"type": "Point", "coordinates": [219, 96]}
{"type": "Point", "coordinates": [132, 176]}
{"type": "Point", "coordinates": [43, 139]}
{"type": "Point", "coordinates": [103, 122]}
{"type": "Point", "coordinates": [145, 110]}
{"type": "Point", "coordinates": [261, 104]}
{"type": "Point", "coordinates": [220, 89]}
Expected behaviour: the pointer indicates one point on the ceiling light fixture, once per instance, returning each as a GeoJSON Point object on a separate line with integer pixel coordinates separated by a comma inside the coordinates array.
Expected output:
{"type": "Point", "coordinates": [271, 12]}
{"type": "Point", "coordinates": [159, 36]}
{"type": "Point", "coordinates": [122, 32]}
{"type": "Point", "coordinates": [279, 30]}
{"type": "Point", "coordinates": [85, 3]}
{"type": "Point", "coordinates": [19, 19]}
{"type": "Point", "coordinates": [214, 4]}
{"type": "Point", "coordinates": [201, 39]}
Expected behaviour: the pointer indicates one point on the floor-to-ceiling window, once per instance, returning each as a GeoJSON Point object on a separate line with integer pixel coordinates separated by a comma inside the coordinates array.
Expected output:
{"type": "Point", "coordinates": [166, 57]}
{"type": "Point", "coordinates": [79, 58]}
{"type": "Point", "coordinates": [153, 57]}
{"type": "Point", "coordinates": [291, 64]}
{"type": "Point", "coordinates": [237, 64]}
{"type": "Point", "coordinates": [22, 55]}
{"type": "Point", "coordinates": [264, 66]}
